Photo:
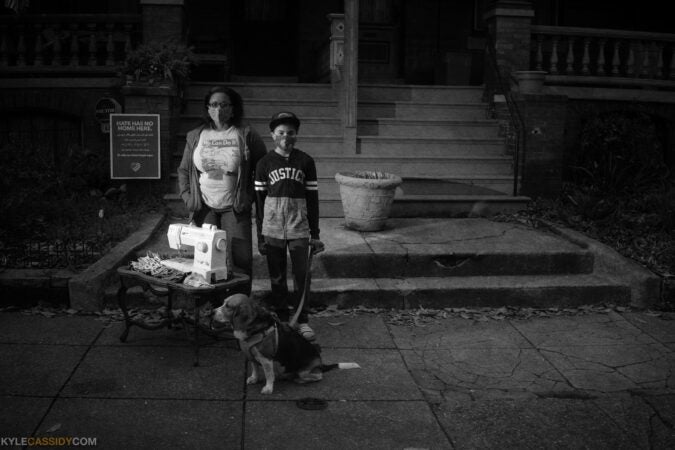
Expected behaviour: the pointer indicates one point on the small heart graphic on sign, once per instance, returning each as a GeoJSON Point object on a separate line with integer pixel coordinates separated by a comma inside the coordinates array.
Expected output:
{"type": "Point", "coordinates": [135, 166]}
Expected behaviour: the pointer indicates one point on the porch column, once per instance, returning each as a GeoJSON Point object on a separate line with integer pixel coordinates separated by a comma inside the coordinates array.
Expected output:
{"type": "Point", "coordinates": [509, 23]}
{"type": "Point", "coordinates": [163, 20]}
{"type": "Point", "coordinates": [350, 79]}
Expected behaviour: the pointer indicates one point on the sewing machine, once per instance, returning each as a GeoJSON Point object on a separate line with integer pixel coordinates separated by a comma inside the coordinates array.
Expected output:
{"type": "Point", "coordinates": [210, 244]}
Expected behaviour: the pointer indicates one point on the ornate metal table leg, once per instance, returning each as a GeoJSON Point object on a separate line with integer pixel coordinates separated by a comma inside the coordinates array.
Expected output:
{"type": "Point", "coordinates": [122, 301]}
{"type": "Point", "coordinates": [196, 343]}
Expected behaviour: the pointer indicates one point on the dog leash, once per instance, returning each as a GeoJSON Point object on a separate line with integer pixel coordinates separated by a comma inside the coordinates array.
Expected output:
{"type": "Point", "coordinates": [294, 320]}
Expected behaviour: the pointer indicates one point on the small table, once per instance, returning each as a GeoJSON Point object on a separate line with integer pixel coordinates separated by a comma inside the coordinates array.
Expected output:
{"type": "Point", "coordinates": [199, 295]}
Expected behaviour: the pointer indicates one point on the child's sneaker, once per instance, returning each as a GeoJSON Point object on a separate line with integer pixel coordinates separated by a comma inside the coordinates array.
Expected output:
{"type": "Point", "coordinates": [305, 331]}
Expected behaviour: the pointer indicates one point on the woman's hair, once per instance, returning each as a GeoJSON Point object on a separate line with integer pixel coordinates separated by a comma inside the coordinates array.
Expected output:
{"type": "Point", "coordinates": [235, 99]}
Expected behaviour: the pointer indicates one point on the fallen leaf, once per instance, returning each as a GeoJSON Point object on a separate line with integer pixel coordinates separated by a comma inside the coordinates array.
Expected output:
{"type": "Point", "coordinates": [54, 428]}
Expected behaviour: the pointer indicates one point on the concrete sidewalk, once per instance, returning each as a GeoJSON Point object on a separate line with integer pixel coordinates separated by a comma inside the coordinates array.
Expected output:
{"type": "Point", "coordinates": [600, 380]}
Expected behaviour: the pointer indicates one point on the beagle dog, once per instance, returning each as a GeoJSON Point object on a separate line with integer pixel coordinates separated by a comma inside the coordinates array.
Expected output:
{"type": "Point", "coordinates": [270, 344]}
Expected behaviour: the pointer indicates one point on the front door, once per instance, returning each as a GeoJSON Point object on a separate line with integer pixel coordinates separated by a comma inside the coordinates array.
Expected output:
{"type": "Point", "coordinates": [265, 37]}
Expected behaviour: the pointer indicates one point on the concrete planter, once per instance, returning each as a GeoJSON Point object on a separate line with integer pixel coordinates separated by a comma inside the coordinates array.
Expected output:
{"type": "Point", "coordinates": [367, 198]}
{"type": "Point", "coordinates": [530, 81]}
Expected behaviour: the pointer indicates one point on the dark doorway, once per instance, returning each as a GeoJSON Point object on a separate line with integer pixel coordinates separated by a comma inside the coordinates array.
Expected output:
{"type": "Point", "coordinates": [265, 37]}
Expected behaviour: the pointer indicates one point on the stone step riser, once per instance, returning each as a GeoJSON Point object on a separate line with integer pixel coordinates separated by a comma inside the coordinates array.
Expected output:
{"type": "Point", "coordinates": [444, 168]}
{"type": "Point", "coordinates": [420, 94]}
{"type": "Point", "coordinates": [393, 265]}
{"type": "Point", "coordinates": [327, 166]}
{"type": "Point", "coordinates": [315, 146]}
{"type": "Point", "coordinates": [266, 108]}
{"type": "Point", "coordinates": [252, 91]}
{"type": "Point", "coordinates": [420, 111]}
{"type": "Point", "coordinates": [322, 127]}
{"type": "Point", "coordinates": [428, 130]}
{"type": "Point", "coordinates": [387, 148]}
{"type": "Point", "coordinates": [430, 148]}
{"type": "Point", "coordinates": [330, 189]}
{"type": "Point", "coordinates": [554, 297]}
{"type": "Point", "coordinates": [507, 296]}
{"type": "Point", "coordinates": [292, 91]}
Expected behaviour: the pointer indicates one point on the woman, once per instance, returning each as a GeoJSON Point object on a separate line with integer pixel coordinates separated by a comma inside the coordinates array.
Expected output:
{"type": "Point", "coordinates": [215, 176]}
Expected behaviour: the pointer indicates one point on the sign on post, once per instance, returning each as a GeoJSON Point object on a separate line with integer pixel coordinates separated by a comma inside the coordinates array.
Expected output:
{"type": "Point", "coordinates": [104, 107]}
{"type": "Point", "coordinates": [134, 146]}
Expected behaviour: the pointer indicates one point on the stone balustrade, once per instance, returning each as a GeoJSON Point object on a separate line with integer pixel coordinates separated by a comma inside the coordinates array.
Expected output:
{"type": "Point", "coordinates": [567, 53]}
{"type": "Point", "coordinates": [66, 43]}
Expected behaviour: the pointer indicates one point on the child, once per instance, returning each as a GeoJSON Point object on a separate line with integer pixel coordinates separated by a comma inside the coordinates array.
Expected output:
{"type": "Point", "coordinates": [287, 209]}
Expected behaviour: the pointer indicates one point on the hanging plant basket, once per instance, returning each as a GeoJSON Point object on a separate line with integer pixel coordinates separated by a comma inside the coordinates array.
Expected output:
{"type": "Point", "coordinates": [366, 198]}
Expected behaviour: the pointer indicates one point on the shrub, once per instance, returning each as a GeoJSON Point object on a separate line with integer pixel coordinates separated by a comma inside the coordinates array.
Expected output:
{"type": "Point", "coordinates": [165, 61]}
{"type": "Point", "coordinates": [620, 152]}
{"type": "Point", "coordinates": [61, 202]}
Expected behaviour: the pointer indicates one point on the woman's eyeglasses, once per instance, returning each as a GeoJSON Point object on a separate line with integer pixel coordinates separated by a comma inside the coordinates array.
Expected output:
{"type": "Point", "coordinates": [222, 105]}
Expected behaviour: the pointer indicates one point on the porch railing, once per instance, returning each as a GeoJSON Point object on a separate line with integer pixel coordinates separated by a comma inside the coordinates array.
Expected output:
{"type": "Point", "coordinates": [513, 128]}
{"type": "Point", "coordinates": [54, 43]}
{"type": "Point", "coordinates": [611, 56]}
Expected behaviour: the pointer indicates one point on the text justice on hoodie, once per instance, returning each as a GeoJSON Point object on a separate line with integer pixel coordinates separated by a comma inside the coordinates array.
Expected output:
{"type": "Point", "coordinates": [287, 196]}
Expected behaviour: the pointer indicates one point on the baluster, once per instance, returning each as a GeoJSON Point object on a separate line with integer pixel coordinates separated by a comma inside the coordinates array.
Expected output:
{"type": "Point", "coordinates": [659, 60]}
{"type": "Point", "coordinates": [21, 49]}
{"type": "Point", "coordinates": [110, 46]}
{"type": "Point", "coordinates": [127, 40]}
{"type": "Point", "coordinates": [569, 69]}
{"type": "Point", "coordinates": [585, 59]}
{"type": "Point", "coordinates": [540, 55]}
{"type": "Point", "coordinates": [3, 49]}
{"type": "Point", "coordinates": [644, 71]}
{"type": "Point", "coordinates": [601, 56]}
{"type": "Point", "coordinates": [630, 62]}
{"type": "Point", "coordinates": [58, 55]}
{"type": "Point", "coordinates": [615, 58]}
{"type": "Point", "coordinates": [91, 58]}
{"type": "Point", "coordinates": [554, 55]}
{"type": "Point", "coordinates": [39, 59]}
{"type": "Point", "coordinates": [74, 47]}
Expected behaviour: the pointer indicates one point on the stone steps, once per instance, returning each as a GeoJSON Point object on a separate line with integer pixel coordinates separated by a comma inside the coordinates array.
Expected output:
{"type": "Point", "coordinates": [440, 263]}
{"type": "Point", "coordinates": [479, 291]}
{"type": "Point", "coordinates": [428, 128]}
{"type": "Point", "coordinates": [435, 137]}
{"type": "Point", "coordinates": [420, 93]}
{"type": "Point", "coordinates": [251, 90]}
{"type": "Point", "coordinates": [418, 110]}
{"type": "Point", "coordinates": [266, 107]}
{"type": "Point", "coordinates": [310, 126]}
{"type": "Point", "coordinates": [415, 165]}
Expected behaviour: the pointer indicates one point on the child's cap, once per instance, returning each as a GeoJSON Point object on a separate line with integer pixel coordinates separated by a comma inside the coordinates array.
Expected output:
{"type": "Point", "coordinates": [284, 117]}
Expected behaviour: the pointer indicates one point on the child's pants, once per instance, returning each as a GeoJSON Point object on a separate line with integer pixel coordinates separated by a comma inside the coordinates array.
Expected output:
{"type": "Point", "coordinates": [277, 267]}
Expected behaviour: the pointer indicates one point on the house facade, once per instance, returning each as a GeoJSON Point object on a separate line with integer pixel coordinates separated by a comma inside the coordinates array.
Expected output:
{"type": "Point", "coordinates": [443, 93]}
